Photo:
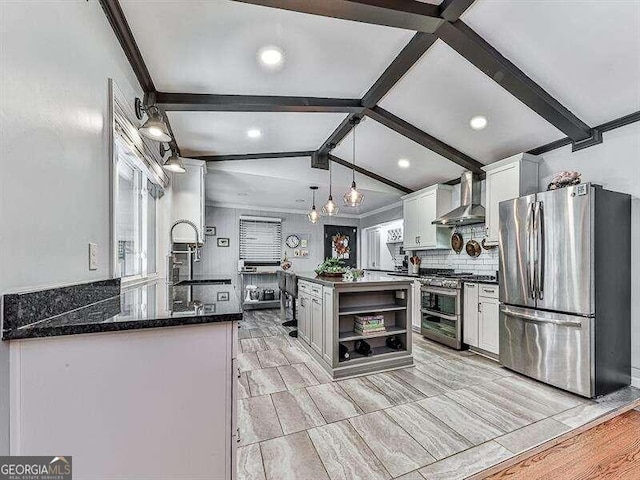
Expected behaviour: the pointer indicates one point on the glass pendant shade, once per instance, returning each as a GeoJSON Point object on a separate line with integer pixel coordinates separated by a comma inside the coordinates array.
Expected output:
{"type": "Point", "coordinates": [313, 215]}
{"type": "Point", "coordinates": [330, 208]}
{"type": "Point", "coordinates": [353, 198]}
{"type": "Point", "coordinates": [174, 164]}
{"type": "Point", "coordinates": [154, 128]}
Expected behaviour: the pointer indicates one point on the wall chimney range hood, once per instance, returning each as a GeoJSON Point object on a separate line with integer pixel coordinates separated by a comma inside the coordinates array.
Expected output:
{"type": "Point", "coordinates": [470, 211]}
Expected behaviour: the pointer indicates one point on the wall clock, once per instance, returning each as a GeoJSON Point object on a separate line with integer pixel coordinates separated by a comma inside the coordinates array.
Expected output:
{"type": "Point", "coordinates": [292, 241]}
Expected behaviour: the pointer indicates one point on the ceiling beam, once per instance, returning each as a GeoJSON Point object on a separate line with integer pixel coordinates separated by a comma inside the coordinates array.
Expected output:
{"type": "Point", "coordinates": [201, 102]}
{"type": "Point", "coordinates": [120, 26]}
{"type": "Point", "coordinates": [452, 10]}
{"type": "Point", "coordinates": [339, 133]}
{"type": "Point", "coordinates": [115, 15]}
{"type": "Point", "coordinates": [251, 156]}
{"type": "Point", "coordinates": [407, 57]}
{"type": "Point", "coordinates": [477, 51]}
{"type": "Point", "coordinates": [407, 14]}
{"type": "Point", "coordinates": [370, 174]}
{"type": "Point", "coordinates": [604, 127]}
{"type": "Point", "coordinates": [404, 128]}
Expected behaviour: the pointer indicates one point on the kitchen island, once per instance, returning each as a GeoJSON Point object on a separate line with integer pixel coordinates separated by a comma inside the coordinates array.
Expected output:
{"type": "Point", "coordinates": [138, 382]}
{"type": "Point", "coordinates": [329, 309]}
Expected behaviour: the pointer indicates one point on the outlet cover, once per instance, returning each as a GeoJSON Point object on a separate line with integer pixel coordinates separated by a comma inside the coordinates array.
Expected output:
{"type": "Point", "coordinates": [93, 256]}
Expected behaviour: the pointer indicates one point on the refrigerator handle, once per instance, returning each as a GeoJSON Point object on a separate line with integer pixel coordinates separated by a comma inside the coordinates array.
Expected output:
{"type": "Point", "coordinates": [539, 219]}
{"type": "Point", "coordinates": [531, 251]}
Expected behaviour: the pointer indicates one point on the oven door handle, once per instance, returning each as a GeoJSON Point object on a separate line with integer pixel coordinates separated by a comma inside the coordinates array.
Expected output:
{"type": "Point", "coordinates": [439, 314]}
{"type": "Point", "coordinates": [447, 292]}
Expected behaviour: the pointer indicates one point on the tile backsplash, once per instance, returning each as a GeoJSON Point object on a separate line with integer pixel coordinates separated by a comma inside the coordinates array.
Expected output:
{"type": "Point", "coordinates": [485, 264]}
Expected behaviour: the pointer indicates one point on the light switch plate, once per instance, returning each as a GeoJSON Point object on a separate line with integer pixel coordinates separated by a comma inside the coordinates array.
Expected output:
{"type": "Point", "coordinates": [93, 256]}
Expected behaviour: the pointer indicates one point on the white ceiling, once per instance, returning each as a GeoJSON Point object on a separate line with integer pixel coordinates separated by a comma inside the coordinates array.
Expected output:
{"type": "Point", "coordinates": [277, 184]}
{"type": "Point", "coordinates": [222, 133]}
{"type": "Point", "coordinates": [443, 91]}
{"type": "Point", "coordinates": [586, 54]}
{"type": "Point", "coordinates": [379, 148]}
{"type": "Point", "coordinates": [211, 47]}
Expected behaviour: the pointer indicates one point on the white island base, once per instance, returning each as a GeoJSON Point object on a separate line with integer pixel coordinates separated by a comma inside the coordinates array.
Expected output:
{"type": "Point", "coordinates": [326, 317]}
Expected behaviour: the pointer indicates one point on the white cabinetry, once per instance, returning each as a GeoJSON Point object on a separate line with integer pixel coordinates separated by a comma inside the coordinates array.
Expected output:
{"type": "Point", "coordinates": [470, 320]}
{"type": "Point", "coordinates": [154, 403]}
{"type": "Point", "coordinates": [481, 317]}
{"type": "Point", "coordinates": [417, 303]}
{"type": "Point", "coordinates": [510, 178]}
{"type": "Point", "coordinates": [188, 201]}
{"type": "Point", "coordinates": [420, 209]}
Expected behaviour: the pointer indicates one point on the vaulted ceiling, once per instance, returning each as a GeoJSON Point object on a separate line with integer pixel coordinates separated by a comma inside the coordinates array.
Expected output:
{"type": "Point", "coordinates": [540, 71]}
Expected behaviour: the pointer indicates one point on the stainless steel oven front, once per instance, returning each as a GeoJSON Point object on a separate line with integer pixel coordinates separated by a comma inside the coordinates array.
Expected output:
{"type": "Point", "coordinates": [441, 315]}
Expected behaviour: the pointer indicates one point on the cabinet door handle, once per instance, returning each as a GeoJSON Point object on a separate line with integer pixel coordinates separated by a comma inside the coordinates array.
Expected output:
{"type": "Point", "coordinates": [480, 308]}
{"type": "Point", "coordinates": [238, 434]}
{"type": "Point", "coordinates": [471, 285]}
{"type": "Point", "coordinates": [239, 374]}
{"type": "Point", "coordinates": [489, 290]}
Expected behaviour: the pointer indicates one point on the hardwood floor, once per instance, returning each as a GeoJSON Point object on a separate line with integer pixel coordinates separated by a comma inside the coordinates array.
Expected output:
{"type": "Point", "coordinates": [610, 450]}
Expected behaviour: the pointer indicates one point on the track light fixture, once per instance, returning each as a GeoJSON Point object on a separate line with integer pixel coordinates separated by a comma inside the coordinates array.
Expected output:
{"type": "Point", "coordinates": [174, 163]}
{"type": "Point", "coordinates": [154, 127]}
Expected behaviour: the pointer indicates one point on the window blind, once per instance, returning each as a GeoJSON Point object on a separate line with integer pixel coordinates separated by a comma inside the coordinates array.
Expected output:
{"type": "Point", "coordinates": [260, 239]}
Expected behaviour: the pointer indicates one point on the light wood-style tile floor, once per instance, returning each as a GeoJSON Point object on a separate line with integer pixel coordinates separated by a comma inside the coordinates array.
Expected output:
{"type": "Point", "coordinates": [450, 416]}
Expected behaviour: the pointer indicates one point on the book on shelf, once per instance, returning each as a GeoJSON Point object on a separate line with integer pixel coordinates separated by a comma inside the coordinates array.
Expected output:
{"type": "Point", "coordinates": [368, 331]}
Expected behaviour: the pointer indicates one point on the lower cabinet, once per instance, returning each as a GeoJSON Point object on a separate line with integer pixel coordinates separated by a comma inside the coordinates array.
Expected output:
{"type": "Point", "coordinates": [481, 317]}
{"type": "Point", "coordinates": [416, 314]}
{"type": "Point", "coordinates": [317, 320]}
{"type": "Point", "coordinates": [488, 325]}
{"type": "Point", "coordinates": [303, 315]}
{"type": "Point", "coordinates": [470, 320]}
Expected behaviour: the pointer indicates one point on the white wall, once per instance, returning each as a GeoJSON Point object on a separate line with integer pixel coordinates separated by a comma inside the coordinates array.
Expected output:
{"type": "Point", "coordinates": [224, 260]}
{"type": "Point", "coordinates": [56, 58]}
{"type": "Point", "coordinates": [614, 164]}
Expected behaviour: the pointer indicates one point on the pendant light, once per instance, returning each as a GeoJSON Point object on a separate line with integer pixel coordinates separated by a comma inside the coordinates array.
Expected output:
{"type": "Point", "coordinates": [174, 163]}
{"type": "Point", "coordinates": [330, 208]}
{"type": "Point", "coordinates": [313, 215]}
{"type": "Point", "coordinates": [353, 198]}
{"type": "Point", "coordinates": [154, 127]}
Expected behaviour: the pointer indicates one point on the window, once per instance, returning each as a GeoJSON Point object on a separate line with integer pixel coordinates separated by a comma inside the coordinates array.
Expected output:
{"type": "Point", "coordinates": [260, 239]}
{"type": "Point", "coordinates": [138, 180]}
{"type": "Point", "coordinates": [135, 217]}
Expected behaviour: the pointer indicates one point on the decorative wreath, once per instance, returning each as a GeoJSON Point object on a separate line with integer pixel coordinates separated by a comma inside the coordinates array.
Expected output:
{"type": "Point", "coordinates": [340, 244]}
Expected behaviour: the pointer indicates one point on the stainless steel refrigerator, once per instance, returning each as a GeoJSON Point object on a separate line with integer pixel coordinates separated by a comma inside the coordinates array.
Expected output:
{"type": "Point", "coordinates": [565, 288]}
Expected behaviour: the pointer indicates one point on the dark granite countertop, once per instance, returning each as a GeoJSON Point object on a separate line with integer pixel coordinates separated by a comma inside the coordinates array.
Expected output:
{"type": "Point", "coordinates": [204, 280]}
{"type": "Point", "coordinates": [148, 305]}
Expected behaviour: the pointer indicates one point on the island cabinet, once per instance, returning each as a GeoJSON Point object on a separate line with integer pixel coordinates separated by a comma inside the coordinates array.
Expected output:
{"type": "Point", "coordinates": [419, 210]}
{"type": "Point", "coordinates": [328, 312]}
{"type": "Point", "coordinates": [510, 178]}
{"type": "Point", "coordinates": [481, 317]}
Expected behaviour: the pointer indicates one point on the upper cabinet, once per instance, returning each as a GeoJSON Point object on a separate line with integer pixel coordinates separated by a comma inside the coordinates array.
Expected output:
{"type": "Point", "coordinates": [188, 201]}
{"type": "Point", "coordinates": [510, 178]}
{"type": "Point", "coordinates": [420, 209]}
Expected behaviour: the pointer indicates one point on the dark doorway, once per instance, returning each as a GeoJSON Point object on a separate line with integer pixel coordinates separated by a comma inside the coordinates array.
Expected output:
{"type": "Point", "coordinates": [341, 241]}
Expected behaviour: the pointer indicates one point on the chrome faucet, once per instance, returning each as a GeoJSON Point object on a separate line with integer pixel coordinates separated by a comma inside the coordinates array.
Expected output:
{"type": "Point", "coordinates": [187, 222]}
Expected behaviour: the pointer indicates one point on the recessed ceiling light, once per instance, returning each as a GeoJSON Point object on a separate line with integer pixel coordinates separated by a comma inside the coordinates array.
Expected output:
{"type": "Point", "coordinates": [254, 133]}
{"type": "Point", "coordinates": [271, 57]}
{"type": "Point", "coordinates": [478, 122]}
{"type": "Point", "coordinates": [243, 194]}
{"type": "Point", "coordinates": [300, 200]}
{"type": "Point", "coordinates": [404, 163]}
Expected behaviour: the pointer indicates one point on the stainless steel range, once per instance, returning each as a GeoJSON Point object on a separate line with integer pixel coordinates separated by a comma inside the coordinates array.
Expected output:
{"type": "Point", "coordinates": [441, 306]}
